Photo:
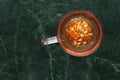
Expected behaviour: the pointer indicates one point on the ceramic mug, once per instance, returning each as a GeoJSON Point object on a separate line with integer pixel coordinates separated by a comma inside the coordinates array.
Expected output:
{"type": "Point", "coordinates": [79, 33]}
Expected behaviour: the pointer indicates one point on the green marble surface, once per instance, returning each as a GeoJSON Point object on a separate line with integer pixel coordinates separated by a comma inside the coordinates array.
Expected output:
{"type": "Point", "coordinates": [23, 23]}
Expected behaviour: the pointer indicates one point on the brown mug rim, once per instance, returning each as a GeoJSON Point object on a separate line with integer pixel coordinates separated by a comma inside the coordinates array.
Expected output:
{"type": "Point", "coordinates": [99, 40]}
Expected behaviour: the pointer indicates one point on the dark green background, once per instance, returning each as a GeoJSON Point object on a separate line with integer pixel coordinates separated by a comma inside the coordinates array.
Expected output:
{"type": "Point", "coordinates": [23, 23]}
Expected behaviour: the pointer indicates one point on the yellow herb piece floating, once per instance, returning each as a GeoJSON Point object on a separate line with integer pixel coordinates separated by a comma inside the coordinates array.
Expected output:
{"type": "Point", "coordinates": [79, 32]}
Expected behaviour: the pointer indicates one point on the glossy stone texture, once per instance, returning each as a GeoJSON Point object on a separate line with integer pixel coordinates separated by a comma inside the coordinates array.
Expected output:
{"type": "Point", "coordinates": [24, 23]}
{"type": "Point", "coordinates": [80, 33]}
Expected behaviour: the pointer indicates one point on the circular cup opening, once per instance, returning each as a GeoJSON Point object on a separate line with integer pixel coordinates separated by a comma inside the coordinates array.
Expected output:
{"type": "Point", "coordinates": [79, 33]}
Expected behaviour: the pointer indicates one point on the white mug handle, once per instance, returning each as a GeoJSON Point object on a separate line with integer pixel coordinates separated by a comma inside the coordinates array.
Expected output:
{"type": "Point", "coordinates": [50, 40]}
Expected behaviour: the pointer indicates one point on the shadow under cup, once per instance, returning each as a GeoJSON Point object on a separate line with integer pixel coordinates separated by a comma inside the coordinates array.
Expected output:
{"type": "Point", "coordinates": [87, 44]}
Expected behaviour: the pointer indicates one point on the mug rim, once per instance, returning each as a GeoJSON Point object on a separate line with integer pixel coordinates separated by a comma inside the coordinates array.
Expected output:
{"type": "Point", "coordinates": [99, 27]}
